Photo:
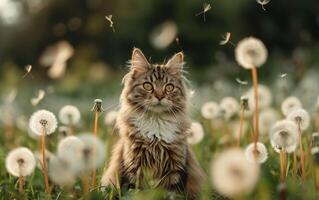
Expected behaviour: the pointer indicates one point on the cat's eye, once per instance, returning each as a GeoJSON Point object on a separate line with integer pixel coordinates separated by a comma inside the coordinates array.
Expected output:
{"type": "Point", "coordinates": [147, 86]}
{"type": "Point", "coordinates": [169, 87]}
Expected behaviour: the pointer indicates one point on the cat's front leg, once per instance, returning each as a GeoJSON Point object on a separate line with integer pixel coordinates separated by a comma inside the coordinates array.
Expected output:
{"type": "Point", "coordinates": [112, 176]}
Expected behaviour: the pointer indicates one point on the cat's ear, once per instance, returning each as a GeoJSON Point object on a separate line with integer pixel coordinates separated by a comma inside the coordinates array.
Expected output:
{"type": "Point", "coordinates": [175, 64]}
{"type": "Point", "coordinates": [138, 62]}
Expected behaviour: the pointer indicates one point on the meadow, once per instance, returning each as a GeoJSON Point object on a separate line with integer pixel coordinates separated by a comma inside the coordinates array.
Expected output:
{"type": "Point", "coordinates": [254, 103]}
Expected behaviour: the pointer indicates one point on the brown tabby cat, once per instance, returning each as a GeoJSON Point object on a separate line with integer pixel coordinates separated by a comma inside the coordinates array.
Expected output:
{"type": "Point", "coordinates": [153, 126]}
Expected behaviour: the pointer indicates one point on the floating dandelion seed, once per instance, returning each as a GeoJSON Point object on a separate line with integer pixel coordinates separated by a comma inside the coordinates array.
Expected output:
{"type": "Point", "coordinates": [256, 157]}
{"type": "Point", "coordinates": [20, 162]}
{"type": "Point", "coordinates": [163, 35]}
{"type": "Point", "coordinates": [28, 69]}
{"type": "Point", "coordinates": [210, 110]}
{"type": "Point", "coordinates": [109, 19]}
{"type": "Point", "coordinates": [228, 107]}
{"type": "Point", "coordinates": [69, 115]}
{"type": "Point", "coordinates": [262, 3]}
{"type": "Point", "coordinates": [226, 39]}
{"type": "Point", "coordinates": [283, 75]}
{"type": "Point", "coordinates": [290, 104]}
{"type": "Point", "coordinates": [206, 7]}
{"type": "Point", "coordinates": [232, 175]}
{"type": "Point", "coordinates": [241, 82]}
{"type": "Point", "coordinates": [197, 133]}
{"type": "Point", "coordinates": [36, 100]}
{"type": "Point", "coordinates": [55, 57]}
{"type": "Point", "coordinates": [110, 118]}
{"type": "Point", "coordinates": [284, 136]}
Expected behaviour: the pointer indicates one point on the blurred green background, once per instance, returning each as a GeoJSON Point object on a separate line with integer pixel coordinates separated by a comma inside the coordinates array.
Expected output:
{"type": "Point", "coordinates": [289, 29]}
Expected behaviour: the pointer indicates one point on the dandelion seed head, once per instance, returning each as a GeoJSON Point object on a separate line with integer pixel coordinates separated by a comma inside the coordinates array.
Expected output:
{"type": "Point", "coordinates": [251, 52]}
{"type": "Point", "coordinates": [69, 150]}
{"type": "Point", "coordinates": [20, 162]}
{"type": "Point", "coordinates": [197, 133]}
{"type": "Point", "coordinates": [69, 115]}
{"type": "Point", "coordinates": [110, 118]}
{"type": "Point", "coordinates": [261, 155]}
{"type": "Point", "coordinates": [232, 175]}
{"type": "Point", "coordinates": [284, 136]}
{"type": "Point", "coordinates": [210, 110]}
{"type": "Point", "coordinates": [290, 104]}
{"type": "Point", "coordinates": [163, 35]}
{"type": "Point", "coordinates": [60, 173]}
{"type": "Point", "coordinates": [92, 152]}
{"type": "Point", "coordinates": [43, 120]}
{"type": "Point", "coordinates": [229, 107]}
{"type": "Point", "coordinates": [300, 117]}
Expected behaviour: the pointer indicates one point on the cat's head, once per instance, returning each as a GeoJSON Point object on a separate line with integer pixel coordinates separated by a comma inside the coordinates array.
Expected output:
{"type": "Point", "coordinates": [155, 88]}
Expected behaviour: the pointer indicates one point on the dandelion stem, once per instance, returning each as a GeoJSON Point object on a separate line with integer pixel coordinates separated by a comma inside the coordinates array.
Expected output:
{"type": "Point", "coordinates": [85, 184]}
{"type": "Point", "coordinates": [282, 166]}
{"type": "Point", "coordinates": [95, 131]}
{"type": "Point", "coordinates": [256, 117]}
{"type": "Point", "coordinates": [295, 164]}
{"type": "Point", "coordinates": [20, 184]}
{"type": "Point", "coordinates": [45, 172]}
{"type": "Point", "coordinates": [241, 123]}
{"type": "Point", "coordinates": [302, 156]}
{"type": "Point", "coordinates": [317, 179]}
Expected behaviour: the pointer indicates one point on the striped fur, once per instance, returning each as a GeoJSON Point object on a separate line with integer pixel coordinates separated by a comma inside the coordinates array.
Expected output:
{"type": "Point", "coordinates": [153, 126]}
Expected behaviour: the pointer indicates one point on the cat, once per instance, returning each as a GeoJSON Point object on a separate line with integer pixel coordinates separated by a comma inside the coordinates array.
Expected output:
{"type": "Point", "coordinates": [153, 126]}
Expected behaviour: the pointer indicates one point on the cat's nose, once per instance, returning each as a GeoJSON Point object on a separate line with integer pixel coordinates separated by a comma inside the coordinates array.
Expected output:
{"type": "Point", "coordinates": [159, 97]}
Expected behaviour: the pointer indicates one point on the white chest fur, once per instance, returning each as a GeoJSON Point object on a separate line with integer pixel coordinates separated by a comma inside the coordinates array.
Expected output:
{"type": "Point", "coordinates": [156, 126]}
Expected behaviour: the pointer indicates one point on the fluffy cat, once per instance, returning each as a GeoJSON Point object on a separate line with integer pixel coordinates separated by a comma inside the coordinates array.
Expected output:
{"type": "Point", "coordinates": [153, 126]}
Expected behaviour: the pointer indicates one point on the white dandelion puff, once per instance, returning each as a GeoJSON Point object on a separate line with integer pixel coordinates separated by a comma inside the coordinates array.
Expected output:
{"type": "Point", "coordinates": [110, 118]}
{"type": "Point", "coordinates": [264, 97]}
{"type": "Point", "coordinates": [267, 118]}
{"type": "Point", "coordinates": [256, 157]}
{"type": "Point", "coordinates": [232, 175]}
{"type": "Point", "coordinates": [229, 106]}
{"type": "Point", "coordinates": [69, 115]}
{"type": "Point", "coordinates": [163, 35]}
{"type": "Point", "coordinates": [20, 162]}
{"type": "Point", "coordinates": [284, 136]}
{"type": "Point", "coordinates": [92, 152]}
{"type": "Point", "coordinates": [70, 150]}
{"type": "Point", "coordinates": [43, 122]}
{"type": "Point", "coordinates": [197, 133]}
{"type": "Point", "coordinates": [251, 52]}
{"type": "Point", "coordinates": [60, 173]}
{"type": "Point", "coordinates": [210, 110]}
{"type": "Point", "coordinates": [300, 117]}
{"type": "Point", "coordinates": [290, 104]}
